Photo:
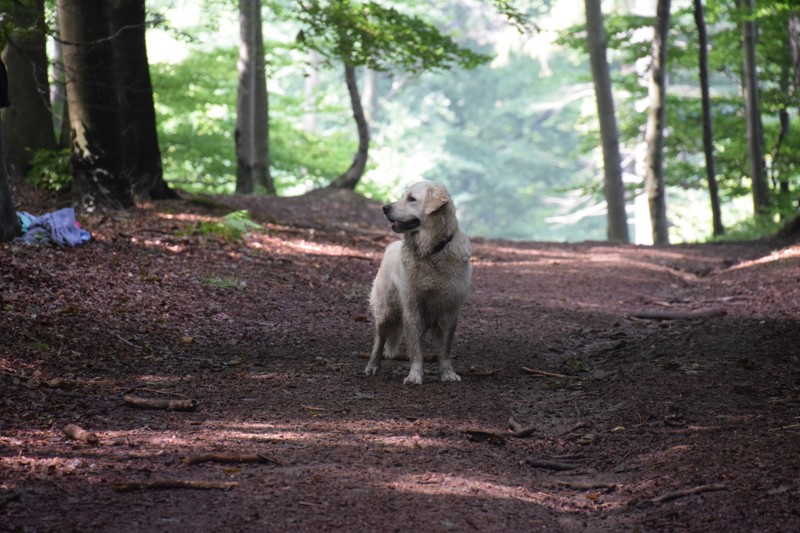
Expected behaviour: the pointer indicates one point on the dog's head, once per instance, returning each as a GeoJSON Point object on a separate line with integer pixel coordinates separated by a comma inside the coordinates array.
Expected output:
{"type": "Point", "coordinates": [419, 203]}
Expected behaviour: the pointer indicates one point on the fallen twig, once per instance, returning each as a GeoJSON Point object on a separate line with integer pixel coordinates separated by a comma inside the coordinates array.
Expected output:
{"type": "Point", "coordinates": [668, 497]}
{"type": "Point", "coordinates": [550, 465]}
{"type": "Point", "coordinates": [153, 403]}
{"type": "Point", "coordinates": [678, 315]}
{"type": "Point", "coordinates": [542, 373]}
{"type": "Point", "coordinates": [586, 485]}
{"type": "Point", "coordinates": [473, 371]}
{"type": "Point", "coordinates": [76, 432]}
{"type": "Point", "coordinates": [174, 484]}
{"type": "Point", "coordinates": [228, 458]}
{"type": "Point", "coordinates": [518, 430]}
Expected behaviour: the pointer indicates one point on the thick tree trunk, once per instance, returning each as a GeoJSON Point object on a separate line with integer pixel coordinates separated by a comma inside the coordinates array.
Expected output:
{"type": "Point", "coordinates": [755, 131]}
{"type": "Point", "coordinates": [97, 180]}
{"type": "Point", "coordinates": [141, 158]}
{"type": "Point", "coordinates": [352, 176]}
{"type": "Point", "coordinates": [708, 130]}
{"type": "Point", "coordinates": [654, 133]}
{"type": "Point", "coordinates": [252, 107]}
{"type": "Point", "coordinates": [9, 224]}
{"type": "Point", "coordinates": [29, 124]}
{"type": "Point", "coordinates": [612, 185]}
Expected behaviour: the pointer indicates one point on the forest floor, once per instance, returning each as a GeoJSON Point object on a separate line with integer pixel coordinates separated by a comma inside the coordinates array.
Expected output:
{"type": "Point", "coordinates": [673, 405]}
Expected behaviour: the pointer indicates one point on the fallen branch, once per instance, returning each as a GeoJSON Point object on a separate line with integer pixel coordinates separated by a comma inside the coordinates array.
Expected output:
{"type": "Point", "coordinates": [473, 371]}
{"type": "Point", "coordinates": [586, 485]}
{"type": "Point", "coordinates": [174, 484]}
{"type": "Point", "coordinates": [153, 403]}
{"type": "Point", "coordinates": [678, 315]}
{"type": "Point", "coordinates": [542, 373]}
{"type": "Point", "coordinates": [550, 465]}
{"type": "Point", "coordinates": [518, 430]}
{"type": "Point", "coordinates": [668, 497]}
{"type": "Point", "coordinates": [228, 458]}
{"type": "Point", "coordinates": [76, 432]}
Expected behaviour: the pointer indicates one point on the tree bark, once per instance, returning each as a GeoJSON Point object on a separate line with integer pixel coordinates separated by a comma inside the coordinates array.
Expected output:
{"type": "Point", "coordinates": [96, 143]}
{"type": "Point", "coordinates": [708, 131]}
{"type": "Point", "coordinates": [352, 176]}
{"type": "Point", "coordinates": [613, 187]}
{"type": "Point", "coordinates": [794, 48]}
{"type": "Point", "coordinates": [755, 131]}
{"type": "Point", "coordinates": [9, 224]}
{"type": "Point", "coordinates": [252, 106]}
{"type": "Point", "coordinates": [141, 158]}
{"type": "Point", "coordinates": [29, 124]}
{"type": "Point", "coordinates": [654, 133]}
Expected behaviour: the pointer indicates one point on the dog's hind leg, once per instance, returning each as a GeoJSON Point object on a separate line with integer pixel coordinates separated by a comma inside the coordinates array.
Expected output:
{"type": "Point", "coordinates": [374, 363]}
{"type": "Point", "coordinates": [446, 370]}
{"type": "Point", "coordinates": [413, 333]}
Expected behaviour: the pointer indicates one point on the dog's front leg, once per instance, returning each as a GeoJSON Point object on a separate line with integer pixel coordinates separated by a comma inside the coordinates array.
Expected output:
{"type": "Point", "coordinates": [413, 333]}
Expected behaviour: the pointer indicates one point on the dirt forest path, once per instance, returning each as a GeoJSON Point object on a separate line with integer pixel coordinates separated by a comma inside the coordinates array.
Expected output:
{"type": "Point", "coordinates": [604, 388]}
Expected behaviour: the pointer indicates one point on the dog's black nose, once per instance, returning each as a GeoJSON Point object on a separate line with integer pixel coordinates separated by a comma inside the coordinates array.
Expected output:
{"type": "Point", "coordinates": [386, 209]}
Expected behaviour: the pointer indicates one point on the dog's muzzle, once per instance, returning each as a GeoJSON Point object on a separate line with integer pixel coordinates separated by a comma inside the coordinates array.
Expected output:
{"type": "Point", "coordinates": [399, 226]}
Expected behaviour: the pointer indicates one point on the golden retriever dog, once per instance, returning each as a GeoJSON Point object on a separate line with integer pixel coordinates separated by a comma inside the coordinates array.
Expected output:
{"type": "Point", "coordinates": [422, 282]}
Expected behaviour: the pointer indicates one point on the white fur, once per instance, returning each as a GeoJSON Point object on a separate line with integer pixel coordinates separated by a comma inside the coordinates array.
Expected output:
{"type": "Point", "coordinates": [421, 285]}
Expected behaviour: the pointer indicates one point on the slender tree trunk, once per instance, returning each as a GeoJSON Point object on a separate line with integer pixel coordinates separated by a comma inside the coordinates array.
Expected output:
{"type": "Point", "coordinates": [708, 131]}
{"type": "Point", "coordinates": [350, 179]}
{"type": "Point", "coordinates": [96, 142]}
{"type": "Point", "coordinates": [141, 158]}
{"type": "Point", "coordinates": [9, 224]}
{"type": "Point", "coordinates": [370, 96]}
{"type": "Point", "coordinates": [252, 107]}
{"type": "Point", "coordinates": [755, 131]}
{"type": "Point", "coordinates": [612, 185]}
{"type": "Point", "coordinates": [794, 48]}
{"type": "Point", "coordinates": [29, 124]}
{"type": "Point", "coordinates": [310, 88]}
{"type": "Point", "coordinates": [654, 134]}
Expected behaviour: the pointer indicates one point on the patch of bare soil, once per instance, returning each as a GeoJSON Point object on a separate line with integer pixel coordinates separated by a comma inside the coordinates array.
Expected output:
{"type": "Point", "coordinates": [605, 388]}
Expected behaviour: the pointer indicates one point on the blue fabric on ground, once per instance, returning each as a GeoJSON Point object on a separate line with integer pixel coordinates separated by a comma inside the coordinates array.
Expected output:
{"type": "Point", "coordinates": [59, 227]}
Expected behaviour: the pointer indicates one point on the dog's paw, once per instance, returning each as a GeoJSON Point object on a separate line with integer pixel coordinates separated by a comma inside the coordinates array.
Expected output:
{"type": "Point", "coordinates": [413, 378]}
{"type": "Point", "coordinates": [450, 375]}
{"type": "Point", "coordinates": [372, 369]}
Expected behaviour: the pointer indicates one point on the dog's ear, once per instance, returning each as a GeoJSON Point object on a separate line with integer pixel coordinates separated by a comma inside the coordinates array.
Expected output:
{"type": "Point", "coordinates": [436, 198]}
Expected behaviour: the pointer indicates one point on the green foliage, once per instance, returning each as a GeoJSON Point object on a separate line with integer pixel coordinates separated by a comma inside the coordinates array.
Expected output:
{"type": "Point", "coordinates": [195, 103]}
{"type": "Point", "coordinates": [50, 170]}
{"type": "Point", "coordinates": [381, 38]}
{"type": "Point", "coordinates": [233, 226]}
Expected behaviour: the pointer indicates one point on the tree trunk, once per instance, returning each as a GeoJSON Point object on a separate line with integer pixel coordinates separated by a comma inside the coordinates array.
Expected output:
{"type": "Point", "coordinates": [794, 48]}
{"type": "Point", "coordinates": [370, 96]}
{"type": "Point", "coordinates": [141, 158]}
{"type": "Point", "coordinates": [612, 185]}
{"type": "Point", "coordinates": [654, 133]}
{"type": "Point", "coordinates": [252, 106]}
{"type": "Point", "coordinates": [9, 224]}
{"type": "Point", "coordinates": [310, 90]}
{"type": "Point", "coordinates": [58, 94]}
{"type": "Point", "coordinates": [96, 144]}
{"type": "Point", "coordinates": [708, 131]}
{"type": "Point", "coordinates": [755, 131]}
{"type": "Point", "coordinates": [352, 176]}
{"type": "Point", "coordinates": [29, 124]}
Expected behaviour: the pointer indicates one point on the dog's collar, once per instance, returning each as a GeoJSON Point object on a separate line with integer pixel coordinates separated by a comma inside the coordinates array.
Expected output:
{"type": "Point", "coordinates": [439, 247]}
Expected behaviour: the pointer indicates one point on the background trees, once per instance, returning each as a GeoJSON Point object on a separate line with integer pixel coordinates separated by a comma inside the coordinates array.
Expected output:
{"type": "Point", "coordinates": [522, 129]}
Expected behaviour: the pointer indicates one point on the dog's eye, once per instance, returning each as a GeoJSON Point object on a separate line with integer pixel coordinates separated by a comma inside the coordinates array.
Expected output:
{"type": "Point", "coordinates": [412, 199]}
